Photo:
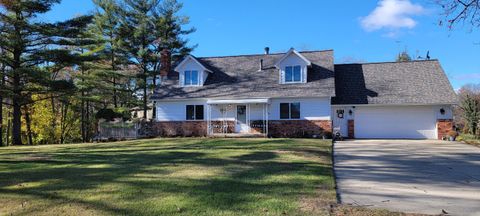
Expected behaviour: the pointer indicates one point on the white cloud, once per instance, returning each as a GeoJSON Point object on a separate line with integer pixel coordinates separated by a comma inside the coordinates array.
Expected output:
{"type": "Point", "coordinates": [392, 15]}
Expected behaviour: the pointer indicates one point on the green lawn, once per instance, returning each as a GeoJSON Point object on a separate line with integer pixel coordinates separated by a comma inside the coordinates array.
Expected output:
{"type": "Point", "coordinates": [188, 176]}
{"type": "Point", "coordinates": [469, 139]}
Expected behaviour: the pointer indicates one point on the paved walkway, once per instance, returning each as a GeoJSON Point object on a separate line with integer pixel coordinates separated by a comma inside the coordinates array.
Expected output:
{"type": "Point", "coordinates": [415, 176]}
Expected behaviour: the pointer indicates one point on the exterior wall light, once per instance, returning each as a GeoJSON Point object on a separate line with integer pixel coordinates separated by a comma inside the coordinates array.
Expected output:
{"type": "Point", "coordinates": [442, 111]}
{"type": "Point", "coordinates": [350, 112]}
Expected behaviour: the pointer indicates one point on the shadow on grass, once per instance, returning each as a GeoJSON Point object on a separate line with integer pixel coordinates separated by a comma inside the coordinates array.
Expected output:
{"type": "Point", "coordinates": [253, 175]}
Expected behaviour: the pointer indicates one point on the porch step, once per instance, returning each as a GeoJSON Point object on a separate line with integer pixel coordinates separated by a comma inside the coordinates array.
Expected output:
{"type": "Point", "coordinates": [236, 135]}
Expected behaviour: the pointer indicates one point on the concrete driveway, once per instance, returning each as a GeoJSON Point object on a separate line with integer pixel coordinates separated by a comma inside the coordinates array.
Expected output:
{"type": "Point", "coordinates": [414, 176]}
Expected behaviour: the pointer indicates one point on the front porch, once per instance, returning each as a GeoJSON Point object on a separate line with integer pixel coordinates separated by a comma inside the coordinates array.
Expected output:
{"type": "Point", "coordinates": [238, 118]}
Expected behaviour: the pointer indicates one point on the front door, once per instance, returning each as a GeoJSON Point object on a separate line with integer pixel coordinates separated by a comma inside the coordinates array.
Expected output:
{"type": "Point", "coordinates": [241, 125]}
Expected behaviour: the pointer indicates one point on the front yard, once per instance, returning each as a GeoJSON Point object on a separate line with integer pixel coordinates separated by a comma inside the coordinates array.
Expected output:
{"type": "Point", "coordinates": [168, 177]}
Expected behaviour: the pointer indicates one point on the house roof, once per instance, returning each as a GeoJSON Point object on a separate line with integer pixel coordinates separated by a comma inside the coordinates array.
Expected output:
{"type": "Point", "coordinates": [239, 77]}
{"type": "Point", "coordinates": [186, 59]}
{"type": "Point", "coordinates": [415, 82]}
{"type": "Point", "coordinates": [292, 51]}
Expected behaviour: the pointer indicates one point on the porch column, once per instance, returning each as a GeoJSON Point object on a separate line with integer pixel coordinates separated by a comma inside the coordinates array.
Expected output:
{"type": "Point", "coordinates": [267, 113]}
{"type": "Point", "coordinates": [209, 119]}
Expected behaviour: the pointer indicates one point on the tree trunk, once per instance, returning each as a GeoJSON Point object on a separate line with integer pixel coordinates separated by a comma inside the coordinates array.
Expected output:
{"type": "Point", "coordinates": [53, 124]}
{"type": "Point", "coordinates": [88, 123]}
{"type": "Point", "coordinates": [145, 105]}
{"type": "Point", "coordinates": [154, 110]}
{"type": "Point", "coordinates": [82, 129]}
{"type": "Point", "coordinates": [9, 125]}
{"type": "Point", "coordinates": [115, 103]}
{"type": "Point", "coordinates": [1, 107]}
{"type": "Point", "coordinates": [1, 119]}
{"type": "Point", "coordinates": [17, 122]}
{"type": "Point", "coordinates": [28, 122]}
{"type": "Point", "coordinates": [17, 108]}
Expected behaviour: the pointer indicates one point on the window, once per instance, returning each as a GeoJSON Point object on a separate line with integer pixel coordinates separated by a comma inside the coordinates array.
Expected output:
{"type": "Point", "coordinates": [194, 112]}
{"type": "Point", "coordinates": [293, 74]}
{"type": "Point", "coordinates": [289, 110]}
{"type": "Point", "coordinates": [191, 78]}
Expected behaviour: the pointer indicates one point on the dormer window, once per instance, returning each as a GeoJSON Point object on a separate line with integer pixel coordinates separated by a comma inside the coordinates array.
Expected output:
{"type": "Point", "coordinates": [293, 74]}
{"type": "Point", "coordinates": [293, 68]}
{"type": "Point", "coordinates": [191, 72]}
{"type": "Point", "coordinates": [191, 78]}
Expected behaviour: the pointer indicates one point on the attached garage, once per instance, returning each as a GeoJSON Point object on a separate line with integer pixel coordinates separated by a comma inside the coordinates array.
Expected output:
{"type": "Point", "coordinates": [410, 122]}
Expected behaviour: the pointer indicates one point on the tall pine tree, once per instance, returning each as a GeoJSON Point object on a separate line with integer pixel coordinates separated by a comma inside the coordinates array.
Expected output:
{"type": "Point", "coordinates": [32, 48]}
{"type": "Point", "coordinates": [137, 33]}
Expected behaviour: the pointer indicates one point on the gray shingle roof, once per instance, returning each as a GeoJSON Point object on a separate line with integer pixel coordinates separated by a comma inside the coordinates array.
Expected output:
{"type": "Point", "coordinates": [238, 77]}
{"type": "Point", "coordinates": [416, 82]}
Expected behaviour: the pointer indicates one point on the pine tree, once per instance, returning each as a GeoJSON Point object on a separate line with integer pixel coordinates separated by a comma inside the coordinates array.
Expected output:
{"type": "Point", "coordinates": [106, 27]}
{"type": "Point", "coordinates": [138, 34]}
{"type": "Point", "coordinates": [33, 49]}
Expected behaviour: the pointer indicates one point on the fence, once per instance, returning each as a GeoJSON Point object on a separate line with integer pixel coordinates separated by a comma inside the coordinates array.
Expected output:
{"type": "Point", "coordinates": [118, 130]}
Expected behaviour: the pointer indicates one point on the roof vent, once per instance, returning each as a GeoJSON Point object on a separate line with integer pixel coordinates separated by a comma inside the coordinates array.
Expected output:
{"type": "Point", "coordinates": [267, 50]}
{"type": "Point", "coordinates": [261, 65]}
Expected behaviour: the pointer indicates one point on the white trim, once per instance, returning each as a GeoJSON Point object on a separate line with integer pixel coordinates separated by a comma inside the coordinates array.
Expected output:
{"type": "Point", "coordinates": [177, 69]}
{"type": "Point", "coordinates": [292, 50]}
{"type": "Point", "coordinates": [207, 99]}
{"type": "Point", "coordinates": [240, 101]}
{"type": "Point", "coordinates": [406, 104]}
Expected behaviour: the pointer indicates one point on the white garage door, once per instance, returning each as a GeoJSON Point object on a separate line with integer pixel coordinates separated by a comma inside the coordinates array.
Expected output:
{"type": "Point", "coordinates": [395, 122]}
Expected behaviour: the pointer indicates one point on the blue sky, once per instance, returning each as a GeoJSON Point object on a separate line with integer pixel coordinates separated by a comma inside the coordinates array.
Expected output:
{"type": "Point", "coordinates": [367, 31]}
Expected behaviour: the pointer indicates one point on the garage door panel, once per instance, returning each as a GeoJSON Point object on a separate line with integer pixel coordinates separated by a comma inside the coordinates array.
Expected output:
{"type": "Point", "coordinates": [395, 122]}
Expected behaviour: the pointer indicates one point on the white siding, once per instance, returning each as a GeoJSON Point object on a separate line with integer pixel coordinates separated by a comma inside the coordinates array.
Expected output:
{"type": "Point", "coordinates": [292, 60]}
{"type": "Point", "coordinates": [176, 111]}
{"type": "Point", "coordinates": [192, 65]}
{"type": "Point", "coordinates": [310, 108]}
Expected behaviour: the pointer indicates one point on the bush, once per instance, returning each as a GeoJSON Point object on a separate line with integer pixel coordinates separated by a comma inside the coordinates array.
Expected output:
{"type": "Point", "coordinates": [452, 133]}
{"type": "Point", "coordinates": [110, 114]}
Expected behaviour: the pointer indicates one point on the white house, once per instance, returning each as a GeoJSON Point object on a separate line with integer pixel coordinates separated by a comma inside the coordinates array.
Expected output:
{"type": "Point", "coordinates": [303, 94]}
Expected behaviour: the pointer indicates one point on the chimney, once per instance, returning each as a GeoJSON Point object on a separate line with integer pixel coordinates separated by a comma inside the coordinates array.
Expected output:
{"type": "Point", "coordinates": [166, 63]}
{"type": "Point", "coordinates": [267, 50]}
{"type": "Point", "coordinates": [261, 65]}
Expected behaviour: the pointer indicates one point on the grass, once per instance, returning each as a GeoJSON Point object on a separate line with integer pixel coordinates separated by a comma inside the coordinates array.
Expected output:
{"type": "Point", "coordinates": [196, 176]}
{"type": "Point", "coordinates": [469, 139]}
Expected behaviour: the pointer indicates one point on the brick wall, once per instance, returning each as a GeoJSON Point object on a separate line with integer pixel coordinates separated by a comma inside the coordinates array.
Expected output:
{"type": "Point", "coordinates": [351, 129]}
{"type": "Point", "coordinates": [443, 127]}
{"type": "Point", "coordinates": [218, 126]}
{"type": "Point", "coordinates": [299, 128]}
{"type": "Point", "coordinates": [277, 128]}
{"type": "Point", "coordinates": [179, 128]}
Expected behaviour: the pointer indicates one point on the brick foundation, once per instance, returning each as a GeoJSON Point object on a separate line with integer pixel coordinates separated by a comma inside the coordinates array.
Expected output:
{"type": "Point", "coordinates": [351, 129]}
{"type": "Point", "coordinates": [218, 126]}
{"type": "Point", "coordinates": [277, 128]}
{"type": "Point", "coordinates": [299, 128]}
{"type": "Point", "coordinates": [444, 126]}
{"type": "Point", "coordinates": [180, 128]}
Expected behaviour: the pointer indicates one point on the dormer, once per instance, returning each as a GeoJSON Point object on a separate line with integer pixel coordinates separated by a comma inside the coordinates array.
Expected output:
{"type": "Point", "coordinates": [293, 67]}
{"type": "Point", "coordinates": [191, 72]}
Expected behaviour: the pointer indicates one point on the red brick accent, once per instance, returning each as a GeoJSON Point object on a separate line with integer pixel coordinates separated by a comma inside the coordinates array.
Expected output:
{"type": "Point", "coordinates": [443, 127]}
{"type": "Point", "coordinates": [180, 128]}
{"type": "Point", "coordinates": [299, 128]}
{"type": "Point", "coordinates": [218, 126]}
{"type": "Point", "coordinates": [351, 129]}
{"type": "Point", "coordinates": [277, 128]}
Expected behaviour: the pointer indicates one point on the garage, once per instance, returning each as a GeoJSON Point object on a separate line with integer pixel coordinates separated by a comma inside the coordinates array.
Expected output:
{"type": "Point", "coordinates": [412, 122]}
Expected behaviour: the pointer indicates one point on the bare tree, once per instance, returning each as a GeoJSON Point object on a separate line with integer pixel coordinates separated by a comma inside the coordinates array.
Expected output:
{"type": "Point", "coordinates": [460, 12]}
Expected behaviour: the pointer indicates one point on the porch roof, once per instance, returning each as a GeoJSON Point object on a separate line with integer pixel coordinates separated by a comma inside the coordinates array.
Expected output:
{"type": "Point", "coordinates": [240, 101]}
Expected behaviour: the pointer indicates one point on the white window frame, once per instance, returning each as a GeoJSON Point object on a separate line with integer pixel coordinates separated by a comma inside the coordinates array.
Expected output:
{"type": "Point", "coordinates": [293, 74]}
{"type": "Point", "coordinates": [190, 81]}
{"type": "Point", "coordinates": [290, 111]}
{"type": "Point", "coordinates": [194, 112]}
